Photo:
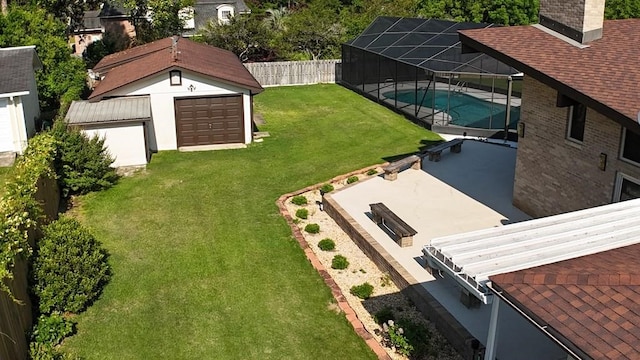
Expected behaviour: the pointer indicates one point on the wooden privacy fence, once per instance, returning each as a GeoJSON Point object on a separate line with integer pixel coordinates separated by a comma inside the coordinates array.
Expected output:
{"type": "Point", "coordinates": [16, 319]}
{"type": "Point", "coordinates": [294, 72]}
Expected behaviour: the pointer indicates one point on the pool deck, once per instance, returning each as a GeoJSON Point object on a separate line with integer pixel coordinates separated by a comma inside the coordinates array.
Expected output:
{"type": "Point", "coordinates": [463, 192]}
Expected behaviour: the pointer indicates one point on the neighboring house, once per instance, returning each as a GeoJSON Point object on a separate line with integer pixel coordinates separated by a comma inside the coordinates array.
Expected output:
{"type": "Point", "coordinates": [580, 139]}
{"type": "Point", "coordinates": [19, 106]}
{"type": "Point", "coordinates": [110, 18]}
{"type": "Point", "coordinates": [174, 94]}
{"type": "Point", "coordinates": [204, 11]}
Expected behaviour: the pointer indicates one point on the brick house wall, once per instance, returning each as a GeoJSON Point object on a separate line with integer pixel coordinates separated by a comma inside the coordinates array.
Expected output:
{"type": "Point", "coordinates": [555, 175]}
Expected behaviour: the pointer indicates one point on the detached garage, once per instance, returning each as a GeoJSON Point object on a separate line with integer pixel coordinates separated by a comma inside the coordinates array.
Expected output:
{"type": "Point", "coordinates": [200, 97]}
{"type": "Point", "coordinates": [209, 120]}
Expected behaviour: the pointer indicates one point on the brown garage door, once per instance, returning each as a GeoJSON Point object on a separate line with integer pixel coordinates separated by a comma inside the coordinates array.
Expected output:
{"type": "Point", "coordinates": [209, 120]}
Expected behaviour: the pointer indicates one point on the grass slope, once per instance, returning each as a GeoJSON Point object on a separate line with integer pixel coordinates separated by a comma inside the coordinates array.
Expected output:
{"type": "Point", "coordinates": [205, 267]}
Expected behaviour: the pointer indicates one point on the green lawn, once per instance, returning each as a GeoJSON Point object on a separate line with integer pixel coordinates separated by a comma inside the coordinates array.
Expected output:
{"type": "Point", "coordinates": [205, 267]}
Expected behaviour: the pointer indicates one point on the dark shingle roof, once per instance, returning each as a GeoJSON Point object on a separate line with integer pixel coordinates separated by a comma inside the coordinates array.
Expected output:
{"type": "Point", "coordinates": [603, 75]}
{"type": "Point", "coordinates": [131, 65]}
{"type": "Point", "coordinates": [16, 67]}
{"type": "Point", "coordinates": [113, 10]}
{"type": "Point", "coordinates": [91, 20]}
{"type": "Point", "coordinates": [592, 301]}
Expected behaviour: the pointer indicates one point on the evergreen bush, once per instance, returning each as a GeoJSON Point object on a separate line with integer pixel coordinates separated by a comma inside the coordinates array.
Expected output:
{"type": "Point", "coordinates": [299, 200]}
{"type": "Point", "coordinates": [302, 213]}
{"type": "Point", "coordinates": [339, 262]}
{"type": "Point", "coordinates": [312, 228]}
{"type": "Point", "coordinates": [363, 291]}
{"type": "Point", "coordinates": [352, 179]}
{"type": "Point", "coordinates": [82, 163]}
{"type": "Point", "coordinates": [326, 244]}
{"type": "Point", "coordinates": [326, 188]}
{"type": "Point", "coordinates": [69, 269]}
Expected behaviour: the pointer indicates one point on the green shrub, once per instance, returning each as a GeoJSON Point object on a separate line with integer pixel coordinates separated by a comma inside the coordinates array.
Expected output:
{"type": "Point", "coordinates": [326, 244]}
{"type": "Point", "coordinates": [417, 335]}
{"type": "Point", "coordinates": [363, 291]}
{"type": "Point", "coordinates": [394, 336]}
{"type": "Point", "coordinates": [302, 213]}
{"type": "Point", "coordinates": [39, 351]}
{"type": "Point", "coordinates": [352, 179]}
{"type": "Point", "coordinates": [70, 268]}
{"type": "Point", "coordinates": [52, 329]}
{"type": "Point", "coordinates": [326, 188]}
{"type": "Point", "coordinates": [384, 315]}
{"type": "Point", "coordinates": [82, 163]}
{"type": "Point", "coordinates": [299, 200]}
{"type": "Point", "coordinates": [372, 172]}
{"type": "Point", "coordinates": [312, 228]}
{"type": "Point", "coordinates": [339, 262]}
{"type": "Point", "coordinates": [19, 210]}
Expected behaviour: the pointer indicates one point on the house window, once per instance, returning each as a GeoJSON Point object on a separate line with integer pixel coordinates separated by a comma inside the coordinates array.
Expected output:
{"type": "Point", "coordinates": [626, 188]}
{"type": "Point", "coordinates": [175, 77]}
{"type": "Point", "coordinates": [630, 146]}
{"type": "Point", "coordinates": [577, 119]}
{"type": "Point", "coordinates": [225, 13]}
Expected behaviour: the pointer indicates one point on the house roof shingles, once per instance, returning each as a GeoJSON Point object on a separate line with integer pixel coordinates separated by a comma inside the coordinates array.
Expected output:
{"type": "Point", "coordinates": [16, 65]}
{"type": "Point", "coordinates": [134, 64]}
{"type": "Point", "coordinates": [604, 73]}
{"type": "Point", "coordinates": [593, 301]}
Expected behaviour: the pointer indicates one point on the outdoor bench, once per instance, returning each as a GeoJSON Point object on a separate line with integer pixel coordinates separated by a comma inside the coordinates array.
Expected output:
{"type": "Point", "coordinates": [388, 219]}
{"type": "Point", "coordinates": [435, 152]}
{"type": "Point", "coordinates": [391, 170]}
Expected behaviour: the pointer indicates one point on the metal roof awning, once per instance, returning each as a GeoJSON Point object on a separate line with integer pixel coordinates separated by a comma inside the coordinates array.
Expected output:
{"type": "Point", "coordinates": [116, 110]}
{"type": "Point", "coordinates": [472, 257]}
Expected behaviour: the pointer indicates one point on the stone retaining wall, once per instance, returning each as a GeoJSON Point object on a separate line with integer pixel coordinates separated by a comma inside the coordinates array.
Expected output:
{"type": "Point", "coordinates": [448, 326]}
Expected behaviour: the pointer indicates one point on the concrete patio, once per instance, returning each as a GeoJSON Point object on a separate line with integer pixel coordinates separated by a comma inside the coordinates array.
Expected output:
{"type": "Point", "coordinates": [463, 192]}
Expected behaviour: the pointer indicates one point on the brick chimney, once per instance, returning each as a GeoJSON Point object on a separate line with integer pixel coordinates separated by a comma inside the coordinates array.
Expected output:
{"type": "Point", "coordinates": [580, 20]}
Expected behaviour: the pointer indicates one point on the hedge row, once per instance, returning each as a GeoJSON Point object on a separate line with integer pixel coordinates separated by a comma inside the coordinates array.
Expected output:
{"type": "Point", "coordinates": [19, 210]}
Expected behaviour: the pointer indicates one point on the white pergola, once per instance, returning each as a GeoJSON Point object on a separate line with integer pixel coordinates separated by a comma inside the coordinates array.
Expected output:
{"type": "Point", "coordinates": [473, 257]}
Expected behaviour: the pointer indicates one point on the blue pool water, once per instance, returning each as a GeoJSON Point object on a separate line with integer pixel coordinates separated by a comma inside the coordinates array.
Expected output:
{"type": "Point", "coordinates": [465, 110]}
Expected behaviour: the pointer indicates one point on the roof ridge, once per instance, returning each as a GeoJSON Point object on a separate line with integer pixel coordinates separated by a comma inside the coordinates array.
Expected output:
{"type": "Point", "coordinates": [613, 278]}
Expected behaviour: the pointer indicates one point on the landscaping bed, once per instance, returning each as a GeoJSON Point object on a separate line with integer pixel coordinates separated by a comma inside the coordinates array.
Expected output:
{"type": "Point", "coordinates": [330, 242]}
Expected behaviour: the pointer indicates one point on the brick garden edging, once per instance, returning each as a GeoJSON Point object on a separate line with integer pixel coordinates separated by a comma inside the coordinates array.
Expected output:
{"type": "Point", "coordinates": [315, 262]}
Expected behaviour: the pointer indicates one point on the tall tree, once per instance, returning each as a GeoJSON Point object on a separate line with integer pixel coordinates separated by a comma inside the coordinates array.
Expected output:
{"type": "Point", "coordinates": [314, 32]}
{"type": "Point", "coordinates": [622, 9]}
{"type": "Point", "coordinates": [157, 19]}
{"type": "Point", "coordinates": [63, 77]}
{"type": "Point", "coordinates": [246, 36]}
{"type": "Point", "coordinates": [69, 11]}
{"type": "Point", "coordinates": [356, 15]}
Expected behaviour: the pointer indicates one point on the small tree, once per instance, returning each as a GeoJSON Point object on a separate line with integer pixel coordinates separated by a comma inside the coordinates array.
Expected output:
{"type": "Point", "coordinates": [82, 163]}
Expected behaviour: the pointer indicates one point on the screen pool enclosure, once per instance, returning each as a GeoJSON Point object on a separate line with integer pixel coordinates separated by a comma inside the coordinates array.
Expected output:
{"type": "Point", "coordinates": [417, 67]}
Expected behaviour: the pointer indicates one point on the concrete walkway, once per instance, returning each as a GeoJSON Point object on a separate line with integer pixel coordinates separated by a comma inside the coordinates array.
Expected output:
{"type": "Point", "coordinates": [463, 192]}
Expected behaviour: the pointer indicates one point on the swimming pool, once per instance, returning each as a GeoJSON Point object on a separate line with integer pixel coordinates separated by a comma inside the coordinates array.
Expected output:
{"type": "Point", "coordinates": [465, 110]}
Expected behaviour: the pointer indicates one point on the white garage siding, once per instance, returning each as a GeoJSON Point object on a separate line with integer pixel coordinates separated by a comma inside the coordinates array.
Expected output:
{"type": "Point", "coordinates": [121, 122]}
{"type": "Point", "coordinates": [125, 142]}
{"type": "Point", "coordinates": [163, 135]}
